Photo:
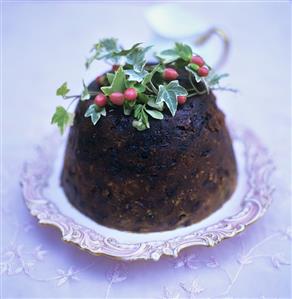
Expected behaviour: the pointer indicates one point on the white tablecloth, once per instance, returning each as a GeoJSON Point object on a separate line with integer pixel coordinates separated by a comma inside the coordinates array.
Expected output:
{"type": "Point", "coordinates": [45, 44]}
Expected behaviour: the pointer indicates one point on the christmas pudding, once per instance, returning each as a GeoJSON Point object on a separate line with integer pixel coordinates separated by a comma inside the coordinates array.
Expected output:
{"type": "Point", "coordinates": [148, 148]}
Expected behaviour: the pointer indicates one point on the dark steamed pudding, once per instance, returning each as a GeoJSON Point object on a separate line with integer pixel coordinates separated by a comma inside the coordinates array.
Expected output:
{"type": "Point", "coordinates": [172, 175]}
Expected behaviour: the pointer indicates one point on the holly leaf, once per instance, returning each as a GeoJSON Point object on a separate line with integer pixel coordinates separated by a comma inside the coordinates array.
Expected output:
{"type": "Point", "coordinates": [154, 113]}
{"type": "Point", "coordinates": [62, 118]}
{"type": "Point", "coordinates": [184, 51]}
{"type": "Point", "coordinates": [168, 56]}
{"type": "Point", "coordinates": [95, 113]}
{"type": "Point", "coordinates": [118, 83]}
{"type": "Point", "coordinates": [62, 90]}
{"type": "Point", "coordinates": [136, 76]}
{"type": "Point", "coordinates": [169, 93]}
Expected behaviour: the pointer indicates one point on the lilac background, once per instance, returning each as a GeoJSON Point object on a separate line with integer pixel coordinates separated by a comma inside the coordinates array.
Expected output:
{"type": "Point", "coordinates": [45, 44]}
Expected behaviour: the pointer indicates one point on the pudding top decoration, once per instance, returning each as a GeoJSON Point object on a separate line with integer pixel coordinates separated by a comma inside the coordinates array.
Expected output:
{"type": "Point", "coordinates": [139, 88]}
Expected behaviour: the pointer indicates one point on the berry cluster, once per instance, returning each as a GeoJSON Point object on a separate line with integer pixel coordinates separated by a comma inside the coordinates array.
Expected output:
{"type": "Point", "coordinates": [142, 90]}
{"type": "Point", "coordinates": [117, 98]}
{"type": "Point", "coordinates": [197, 63]}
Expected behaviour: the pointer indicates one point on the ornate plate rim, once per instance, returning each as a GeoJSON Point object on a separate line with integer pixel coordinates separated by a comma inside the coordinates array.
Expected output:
{"type": "Point", "coordinates": [256, 200]}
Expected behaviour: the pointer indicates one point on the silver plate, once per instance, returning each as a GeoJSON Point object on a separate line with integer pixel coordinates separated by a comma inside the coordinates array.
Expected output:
{"type": "Point", "coordinates": [45, 200]}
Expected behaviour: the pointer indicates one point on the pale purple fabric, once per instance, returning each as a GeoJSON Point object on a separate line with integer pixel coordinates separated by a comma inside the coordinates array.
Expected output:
{"type": "Point", "coordinates": [45, 44]}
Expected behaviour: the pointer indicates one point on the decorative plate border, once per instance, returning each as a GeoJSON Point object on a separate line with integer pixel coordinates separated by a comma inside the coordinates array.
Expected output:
{"type": "Point", "coordinates": [256, 199]}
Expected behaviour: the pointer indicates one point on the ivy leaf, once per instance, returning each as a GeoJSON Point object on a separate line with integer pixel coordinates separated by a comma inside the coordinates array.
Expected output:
{"type": "Point", "coordinates": [136, 58]}
{"type": "Point", "coordinates": [168, 56]}
{"type": "Point", "coordinates": [141, 122]}
{"type": "Point", "coordinates": [155, 114]}
{"type": "Point", "coordinates": [150, 75]}
{"type": "Point", "coordinates": [153, 104]}
{"type": "Point", "coordinates": [214, 79]}
{"type": "Point", "coordinates": [179, 51]}
{"type": "Point", "coordinates": [139, 87]}
{"type": "Point", "coordinates": [128, 107]}
{"type": "Point", "coordinates": [185, 52]}
{"type": "Point", "coordinates": [139, 125]}
{"type": "Point", "coordinates": [62, 90]}
{"type": "Point", "coordinates": [127, 52]}
{"type": "Point", "coordinates": [136, 76]}
{"type": "Point", "coordinates": [62, 118]}
{"type": "Point", "coordinates": [95, 113]}
{"type": "Point", "coordinates": [104, 49]}
{"type": "Point", "coordinates": [85, 93]}
{"type": "Point", "coordinates": [169, 93]}
{"type": "Point", "coordinates": [110, 77]}
{"type": "Point", "coordinates": [118, 83]}
{"type": "Point", "coordinates": [194, 73]}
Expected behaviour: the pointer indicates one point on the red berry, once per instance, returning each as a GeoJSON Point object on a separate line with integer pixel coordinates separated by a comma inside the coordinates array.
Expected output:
{"type": "Point", "coordinates": [198, 60]}
{"type": "Point", "coordinates": [115, 67]}
{"type": "Point", "coordinates": [100, 100]}
{"type": "Point", "coordinates": [181, 99]}
{"type": "Point", "coordinates": [117, 98]}
{"type": "Point", "coordinates": [203, 71]}
{"type": "Point", "coordinates": [170, 74]}
{"type": "Point", "coordinates": [130, 94]}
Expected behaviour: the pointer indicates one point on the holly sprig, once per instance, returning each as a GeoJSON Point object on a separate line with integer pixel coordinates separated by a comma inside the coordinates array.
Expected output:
{"type": "Point", "coordinates": [142, 90]}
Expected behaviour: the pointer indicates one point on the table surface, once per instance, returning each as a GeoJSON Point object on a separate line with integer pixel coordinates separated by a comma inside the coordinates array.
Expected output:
{"type": "Point", "coordinates": [45, 44]}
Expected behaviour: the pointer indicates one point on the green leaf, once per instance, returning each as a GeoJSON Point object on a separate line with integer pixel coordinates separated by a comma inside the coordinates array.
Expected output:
{"type": "Point", "coordinates": [128, 107]}
{"type": "Point", "coordinates": [118, 83]}
{"type": "Point", "coordinates": [127, 52]}
{"type": "Point", "coordinates": [150, 75]}
{"type": "Point", "coordinates": [155, 114]}
{"type": "Point", "coordinates": [194, 73]}
{"type": "Point", "coordinates": [184, 51]}
{"type": "Point", "coordinates": [139, 87]}
{"type": "Point", "coordinates": [141, 123]}
{"type": "Point", "coordinates": [214, 79]}
{"type": "Point", "coordinates": [153, 104]}
{"type": "Point", "coordinates": [168, 56]}
{"type": "Point", "coordinates": [62, 90]}
{"type": "Point", "coordinates": [179, 51]}
{"type": "Point", "coordinates": [169, 93]}
{"type": "Point", "coordinates": [62, 118]}
{"type": "Point", "coordinates": [193, 66]}
{"type": "Point", "coordinates": [136, 58]}
{"type": "Point", "coordinates": [95, 113]}
{"type": "Point", "coordinates": [137, 111]}
{"type": "Point", "coordinates": [110, 77]}
{"type": "Point", "coordinates": [136, 76]}
{"type": "Point", "coordinates": [143, 98]}
{"type": "Point", "coordinates": [85, 93]}
{"type": "Point", "coordinates": [104, 49]}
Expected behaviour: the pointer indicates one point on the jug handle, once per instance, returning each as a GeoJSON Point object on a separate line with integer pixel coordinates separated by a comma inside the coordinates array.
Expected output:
{"type": "Point", "coordinates": [214, 31]}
